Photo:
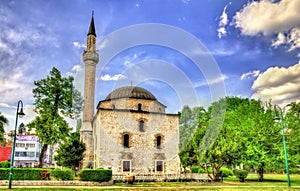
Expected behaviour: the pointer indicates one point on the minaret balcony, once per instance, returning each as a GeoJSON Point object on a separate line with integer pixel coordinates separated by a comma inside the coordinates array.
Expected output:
{"type": "Point", "coordinates": [90, 56]}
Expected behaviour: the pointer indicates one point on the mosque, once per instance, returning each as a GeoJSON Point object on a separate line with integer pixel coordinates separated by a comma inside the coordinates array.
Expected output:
{"type": "Point", "coordinates": [131, 131]}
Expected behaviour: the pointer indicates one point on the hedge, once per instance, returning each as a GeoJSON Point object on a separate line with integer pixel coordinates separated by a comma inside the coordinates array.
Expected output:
{"type": "Point", "coordinates": [65, 174]}
{"type": "Point", "coordinates": [98, 175]}
{"type": "Point", "coordinates": [21, 173]}
{"type": "Point", "coordinates": [4, 164]}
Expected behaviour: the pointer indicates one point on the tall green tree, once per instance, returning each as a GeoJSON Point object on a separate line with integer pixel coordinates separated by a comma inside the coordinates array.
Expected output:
{"type": "Point", "coordinates": [292, 132]}
{"type": "Point", "coordinates": [70, 152]}
{"type": "Point", "coordinates": [261, 137]}
{"type": "Point", "coordinates": [55, 98]}
{"type": "Point", "coordinates": [246, 134]}
{"type": "Point", "coordinates": [188, 123]}
{"type": "Point", "coordinates": [3, 121]}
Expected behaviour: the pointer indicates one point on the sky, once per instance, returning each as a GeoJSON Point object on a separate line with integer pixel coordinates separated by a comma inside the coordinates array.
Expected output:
{"type": "Point", "coordinates": [185, 52]}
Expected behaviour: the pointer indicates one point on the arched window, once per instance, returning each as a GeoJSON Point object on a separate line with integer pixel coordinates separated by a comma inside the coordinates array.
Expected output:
{"type": "Point", "coordinates": [158, 142]}
{"type": "Point", "coordinates": [142, 126]}
{"type": "Point", "coordinates": [113, 106]}
{"type": "Point", "coordinates": [126, 140]}
{"type": "Point", "coordinates": [139, 107]}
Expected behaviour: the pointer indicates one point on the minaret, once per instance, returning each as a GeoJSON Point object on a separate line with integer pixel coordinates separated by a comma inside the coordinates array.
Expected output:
{"type": "Point", "coordinates": [90, 58]}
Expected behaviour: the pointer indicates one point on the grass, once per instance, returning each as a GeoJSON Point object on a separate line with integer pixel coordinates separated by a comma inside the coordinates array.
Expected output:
{"type": "Point", "coordinates": [272, 182]}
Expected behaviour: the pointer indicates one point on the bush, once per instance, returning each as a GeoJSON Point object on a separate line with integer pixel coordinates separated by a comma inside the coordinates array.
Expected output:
{"type": "Point", "coordinates": [4, 164]}
{"type": "Point", "coordinates": [194, 169]}
{"type": "Point", "coordinates": [96, 175]}
{"type": "Point", "coordinates": [66, 174]}
{"type": "Point", "coordinates": [240, 174]}
{"type": "Point", "coordinates": [226, 172]}
{"type": "Point", "coordinates": [201, 171]}
{"type": "Point", "coordinates": [294, 171]}
{"type": "Point", "coordinates": [21, 173]}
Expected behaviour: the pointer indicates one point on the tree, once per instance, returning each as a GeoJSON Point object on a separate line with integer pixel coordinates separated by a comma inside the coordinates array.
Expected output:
{"type": "Point", "coordinates": [262, 141]}
{"type": "Point", "coordinates": [55, 98]}
{"type": "Point", "coordinates": [70, 153]}
{"type": "Point", "coordinates": [3, 121]}
{"type": "Point", "coordinates": [292, 129]}
{"type": "Point", "coordinates": [246, 134]}
{"type": "Point", "coordinates": [188, 122]}
{"type": "Point", "coordinates": [217, 143]}
{"type": "Point", "coordinates": [21, 129]}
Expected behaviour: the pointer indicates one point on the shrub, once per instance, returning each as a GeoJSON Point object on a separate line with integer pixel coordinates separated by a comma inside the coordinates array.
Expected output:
{"type": "Point", "coordinates": [96, 175]}
{"type": "Point", "coordinates": [4, 164]}
{"type": "Point", "coordinates": [294, 171]}
{"type": "Point", "coordinates": [21, 173]}
{"type": "Point", "coordinates": [240, 174]}
{"type": "Point", "coordinates": [226, 172]}
{"type": "Point", "coordinates": [194, 169]}
{"type": "Point", "coordinates": [66, 174]}
{"type": "Point", "coordinates": [201, 171]}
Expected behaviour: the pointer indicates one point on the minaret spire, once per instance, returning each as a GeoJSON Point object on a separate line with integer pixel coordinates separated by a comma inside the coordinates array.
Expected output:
{"type": "Point", "coordinates": [92, 30]}
{"type": "Point", "coordinates": [91, 41]}
{"type": "Point", "coordinates": [90, 58]}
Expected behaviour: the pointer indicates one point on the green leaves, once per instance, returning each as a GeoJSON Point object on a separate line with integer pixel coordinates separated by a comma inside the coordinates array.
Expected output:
{"type": "Point", "coordinates": [234, 131]}
{"type": "Point", "coordinates": [70, 153]}
{"type": "Point", "coordinates": [3, 121]}
{"type": "Point", "coordinates": [57, 94]}
{"type": "Point", "coordinates": [55, 98]}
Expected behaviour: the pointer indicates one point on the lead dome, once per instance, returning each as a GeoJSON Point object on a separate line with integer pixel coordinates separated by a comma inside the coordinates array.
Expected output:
{"type": "Point", "coordinates": [130, 92]}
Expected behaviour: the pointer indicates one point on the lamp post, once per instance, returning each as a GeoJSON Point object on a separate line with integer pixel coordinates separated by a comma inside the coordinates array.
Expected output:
{"type": "Point", "coordinates": [18, 114]}
{"type": "Point", "coordinates": [280, 117]}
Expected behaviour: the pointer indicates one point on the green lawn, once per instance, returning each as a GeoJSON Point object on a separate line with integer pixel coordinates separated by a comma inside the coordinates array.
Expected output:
{"type": "Point", "coordinates": [273, 182]}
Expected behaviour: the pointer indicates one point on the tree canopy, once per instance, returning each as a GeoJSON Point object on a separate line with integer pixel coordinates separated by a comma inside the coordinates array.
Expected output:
{"type": "Point", "coordinates": [3, 121]}
{"type": "Point", "coordinates": [292, 132]}
{"type": "Point", "coordinates": [70, 152]}
{"type": "Point", "coordinates": [245, 134]}
{"type": "Point", "coordinates": [55, 98]}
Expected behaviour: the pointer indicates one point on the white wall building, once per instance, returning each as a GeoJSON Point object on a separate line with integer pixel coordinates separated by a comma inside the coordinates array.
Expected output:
{"type": "Point", "coordinates": [27, 151]}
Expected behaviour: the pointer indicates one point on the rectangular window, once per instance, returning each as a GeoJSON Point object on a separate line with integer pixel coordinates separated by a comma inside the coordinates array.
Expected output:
{"type": "Point", "coordinates": [159, 165]}
{"type": "Point", "coordinates": [126, 165]}
{"type": "Point", "coordinates": [30, 145]}
{"type": "Point", "coordinates": [31, 154]}
{"type": "Point", "coordinates": [20, 145]}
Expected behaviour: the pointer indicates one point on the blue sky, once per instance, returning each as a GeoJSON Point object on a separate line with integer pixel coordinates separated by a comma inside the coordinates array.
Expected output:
{"type": "Point", "coordinates": [193, 53]}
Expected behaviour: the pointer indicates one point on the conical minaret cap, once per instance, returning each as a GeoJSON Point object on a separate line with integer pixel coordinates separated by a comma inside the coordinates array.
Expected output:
{"type": "Point", "coordinates": [92, 30]}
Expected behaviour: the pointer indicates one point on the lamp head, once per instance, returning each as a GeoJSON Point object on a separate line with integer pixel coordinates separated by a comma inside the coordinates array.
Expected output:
{"type": "Point", "coordinates": [21, 113]}
{"type": "Point", "coordinates": [276, 118]}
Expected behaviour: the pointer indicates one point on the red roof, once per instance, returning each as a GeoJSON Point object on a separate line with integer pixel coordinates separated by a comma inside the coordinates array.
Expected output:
{"type": "Point", "coordinates": [5, 153]}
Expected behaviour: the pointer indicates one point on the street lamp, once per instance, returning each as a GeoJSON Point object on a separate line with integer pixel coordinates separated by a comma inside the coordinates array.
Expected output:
{"type": "Point", "coordinates": [18, 114]}
{"type": "Point", "coordinates": [280, 117]}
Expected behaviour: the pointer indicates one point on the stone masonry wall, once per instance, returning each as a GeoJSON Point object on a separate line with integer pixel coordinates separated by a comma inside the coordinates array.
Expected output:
{"type": "Point", "coordinates": [111, 125]}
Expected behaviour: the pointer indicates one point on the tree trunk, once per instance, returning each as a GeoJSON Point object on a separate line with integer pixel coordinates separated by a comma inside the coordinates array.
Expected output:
{"type": "Point", "coordinates": [260, 172]}
{"type": "Point", "coordinates": [43, 154]}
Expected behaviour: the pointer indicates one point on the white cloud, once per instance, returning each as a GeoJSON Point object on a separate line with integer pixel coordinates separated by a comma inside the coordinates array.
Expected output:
{"type": "Point", "coordinates": [77, 68]}
{"type": "Point", "coordinates": [78, 45]}
{"type": "Point", "coordinates": [5, 105]}
{"type": "Point", "coordinates": [250, 74]}
{"type": "Point", "coordinates": [223, 22]}
{"type": "Point", "coordinates": [268, 18]}
{"type": "Point", "coordinates": [281, 85]}
{"type": "Point", "coordinates": [211, 82]}
{"type": "Point", "coordinates": [281, 39]}
{"type": "Point", "coordinates": [116, 77]}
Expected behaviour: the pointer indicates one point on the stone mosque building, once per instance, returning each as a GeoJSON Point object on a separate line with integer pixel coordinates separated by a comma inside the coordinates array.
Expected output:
{"type": "Point", "coordinates": [130, 132]}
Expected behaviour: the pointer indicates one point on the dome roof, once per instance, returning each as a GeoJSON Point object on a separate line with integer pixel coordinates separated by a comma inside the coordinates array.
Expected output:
{"type": "Point", "coordinates": [130, 92]}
